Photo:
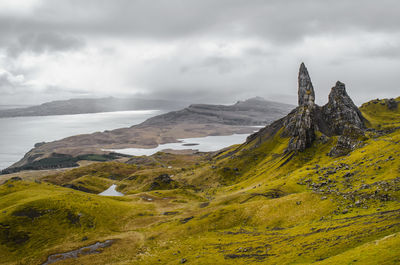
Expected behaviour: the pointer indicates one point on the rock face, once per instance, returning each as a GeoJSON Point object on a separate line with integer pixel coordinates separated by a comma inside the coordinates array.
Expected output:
{"type": "Point", "coordinates": [306, 89]}
{"type": "Point", "coordinates": [341, 112]}
{"type": "Point", "coordinates": [301, 122]}
{"type": "Point", "coordinates": [339, 117]}
{"type": "Point", "coordinates": [300, 126]}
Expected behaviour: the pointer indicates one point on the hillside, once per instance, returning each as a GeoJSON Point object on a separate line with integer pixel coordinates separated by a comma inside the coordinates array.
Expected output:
{"type": "Point", "coordinates": [254, 111]}
{"type": "Point", "coordinates": [91, 105]}
{"type": "Point", "coordinates": [194, 121]}
{"type": "Point", "coordinates": [295, 192]}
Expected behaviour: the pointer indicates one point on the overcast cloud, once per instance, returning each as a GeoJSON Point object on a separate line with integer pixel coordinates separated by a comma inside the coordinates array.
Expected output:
{"type": "Point", "coordinates": [215, 51]}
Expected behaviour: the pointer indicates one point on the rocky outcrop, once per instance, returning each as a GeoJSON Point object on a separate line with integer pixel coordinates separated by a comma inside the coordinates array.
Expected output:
{"type": "Point", "coordinates": [392, 104]}
{"type": "Point", "coordinates": [300, 124]}
{"type": "Point", "coordinates": [341, 112]}
{"type": "Point", "coordinates": [163, 181]}
{"type": "Point", "coordinates": [347, 142]}
{"type": "Point", "coordinates": [339, 117]}
{"type": "Point", "coordinates": [306, 89]}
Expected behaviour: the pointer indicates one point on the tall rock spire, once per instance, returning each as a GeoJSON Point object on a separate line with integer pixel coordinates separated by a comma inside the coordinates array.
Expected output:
{"type": "Point", "coordinates": [300, 125]}
{"type": "Point", "coordinates": [341, 111]}
{"type": "Point", "coordinates": [309, 122]}
{"type": "Point", "coordinates": [306, 89]}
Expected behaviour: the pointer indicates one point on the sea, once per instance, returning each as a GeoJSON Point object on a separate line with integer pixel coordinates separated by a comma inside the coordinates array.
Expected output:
{"type": "Point", "coordinates": [18, 135]}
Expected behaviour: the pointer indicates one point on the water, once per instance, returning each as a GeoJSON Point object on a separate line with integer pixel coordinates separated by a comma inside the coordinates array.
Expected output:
{"type": "Point", "coordinates": [4, 107]}
{"type": "Point", "coordinates": [18, 135]}
{"type": "Point", "coordinates": [91, 249]}
{"type": "Point", "coordinates": [111, 191]}
{"type": "Point", "coordinates": [202, 144]}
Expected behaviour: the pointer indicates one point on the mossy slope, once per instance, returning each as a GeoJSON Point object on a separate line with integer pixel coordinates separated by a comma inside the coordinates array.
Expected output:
{"type": "Point", "coordinates": [249, 204]}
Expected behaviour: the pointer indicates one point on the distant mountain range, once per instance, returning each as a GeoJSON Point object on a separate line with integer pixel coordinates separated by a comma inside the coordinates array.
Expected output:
{"type": "Point", "coordinates": [92, 105]}
{"type": "Point", "coordinates": [254, 111]}
{"type": "Point", "coordinates": [197, 120]}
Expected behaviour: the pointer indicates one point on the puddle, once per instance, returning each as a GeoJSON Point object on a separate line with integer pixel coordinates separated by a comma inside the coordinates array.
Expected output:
{"type": "Point", "coordinates": [111, 191]}
{"type": "Point", "coordinates": [91, 249]}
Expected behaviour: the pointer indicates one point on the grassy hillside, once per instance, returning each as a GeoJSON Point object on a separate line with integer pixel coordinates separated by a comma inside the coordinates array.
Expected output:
{"type": "Point", "coordinates": [249, 204]}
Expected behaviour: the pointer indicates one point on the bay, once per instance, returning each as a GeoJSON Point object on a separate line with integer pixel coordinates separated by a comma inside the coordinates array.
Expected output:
{"type": "Point", "coordinates": [18, 135]}
{"type": "Point", "coordinates": [202, 144]}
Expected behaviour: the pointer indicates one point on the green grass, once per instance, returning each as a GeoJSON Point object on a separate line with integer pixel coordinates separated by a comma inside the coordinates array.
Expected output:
{"type": "Point", "coordinates": [250, 204]}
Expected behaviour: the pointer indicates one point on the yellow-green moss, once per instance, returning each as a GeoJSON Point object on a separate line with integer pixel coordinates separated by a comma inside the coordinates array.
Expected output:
{"type": "Point", "coordinates": [250, 204]}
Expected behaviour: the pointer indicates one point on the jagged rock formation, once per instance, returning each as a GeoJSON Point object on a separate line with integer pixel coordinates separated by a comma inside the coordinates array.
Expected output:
{"type": "Point", "coordinates": [341, 112]}
{"type": "Point", "coordinates": [300, 123]}
{"type": "Point", "coordinates": [339, 117]}
{"type": "Point", "coordinates": [300, 126]}
{"type": "Point", "coordinates": [306, 89]}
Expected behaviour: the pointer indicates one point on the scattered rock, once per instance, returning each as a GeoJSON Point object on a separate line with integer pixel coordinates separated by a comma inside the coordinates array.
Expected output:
{"type": "Point", "coordinates": [75, 187]}
{"type": "Point", "coordinates": [185, 220]}
{"type": "Point", "coordinates": [391, 104]}
{"type": "Point", "coordinates": [163, 181]}
{"type": "Point", "coordinates": [204, 204]}
{"type": "Point", "coordinates": [170, 213]}
{"type": "Point", "coordinates": [29, 212]}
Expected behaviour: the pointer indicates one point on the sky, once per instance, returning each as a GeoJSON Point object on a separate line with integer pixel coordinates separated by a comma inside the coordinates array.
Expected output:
{"type": "Point", "coordinates": [210, 51]}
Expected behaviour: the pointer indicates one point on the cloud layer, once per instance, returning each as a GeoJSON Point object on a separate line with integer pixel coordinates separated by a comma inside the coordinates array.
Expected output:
{"type": "Point", "coordinates": [217, 51]}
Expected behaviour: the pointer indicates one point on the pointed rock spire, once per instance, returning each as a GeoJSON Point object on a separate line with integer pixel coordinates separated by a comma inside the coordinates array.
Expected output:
{"type": "Point", "coordinates": [306, 89]}
{"type": "Point", "coordinates": [341, 111]}
{"type": "Point", "coordinates": [309, 122]}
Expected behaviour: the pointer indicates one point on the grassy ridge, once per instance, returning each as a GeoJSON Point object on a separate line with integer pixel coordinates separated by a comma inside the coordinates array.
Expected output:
{"type": "Point", "coordinates": [248, 204]}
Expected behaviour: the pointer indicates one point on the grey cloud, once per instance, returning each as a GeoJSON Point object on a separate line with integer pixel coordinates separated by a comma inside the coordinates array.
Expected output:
{"type": "Point", "coordinates": [65, 90]}
{"type": "Point", "coordinates": [389, 51]}
{"type": "Point", "coordinates": [44, 42]}
{"type": "Point", "coordinates": [66, 25]}
{"type": "Point", "coordinates": [275, 20]}
{"type": "Point", "coordinates": [223, 65]}
{"type": "Point", "coordinates": [10, 83]}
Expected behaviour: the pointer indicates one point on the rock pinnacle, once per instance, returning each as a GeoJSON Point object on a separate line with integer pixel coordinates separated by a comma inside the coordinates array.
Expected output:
{"type": "Point", "coordinates": [306, 89]}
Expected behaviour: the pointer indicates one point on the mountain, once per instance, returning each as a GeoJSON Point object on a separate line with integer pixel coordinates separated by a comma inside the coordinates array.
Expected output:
{"type": "Point", "coordinates": [92, 105]}
{"type": "Point", "coordinates": [193, 121]}
{"type": "Point", "coordinates": [254, 111]}
{"type": "Point", "coordinates": [281, 197]}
